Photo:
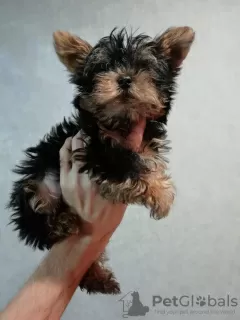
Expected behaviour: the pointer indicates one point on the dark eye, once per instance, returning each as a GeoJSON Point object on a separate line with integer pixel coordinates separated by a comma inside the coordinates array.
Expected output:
{"type": "Point", "coordinates": [100, 67]}
{"type": "Point", "coordinates": [143, 64]}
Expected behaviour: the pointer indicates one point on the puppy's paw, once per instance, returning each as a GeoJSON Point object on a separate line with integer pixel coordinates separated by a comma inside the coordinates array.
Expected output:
{"type": "Point", "coordinates": [100, 279]}
{"type": "Point", "coordinates": [161, 200]}
{"type": "Point", "coordinates": [104, 286]}
{"type": "Point", "coordinates": [111, 286]}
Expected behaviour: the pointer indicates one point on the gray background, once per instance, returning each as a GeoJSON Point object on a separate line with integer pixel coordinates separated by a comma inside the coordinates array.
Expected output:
{"type": "Point", "coordinates": [196, 249]}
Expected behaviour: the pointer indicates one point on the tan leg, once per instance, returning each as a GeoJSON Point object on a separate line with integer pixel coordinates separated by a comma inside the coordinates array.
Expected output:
{"type": "Point", "coordinates": [155, 191]}
{"type": "Point", "coordinates": [159, 196]}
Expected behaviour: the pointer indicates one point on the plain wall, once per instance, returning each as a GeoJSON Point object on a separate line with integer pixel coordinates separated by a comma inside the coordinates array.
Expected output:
{"type": "Point", "coordinates": [196, 249]}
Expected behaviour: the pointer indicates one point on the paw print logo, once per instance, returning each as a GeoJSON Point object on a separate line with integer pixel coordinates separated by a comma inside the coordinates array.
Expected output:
{"type": "Point", "coordinates": [201, 301]}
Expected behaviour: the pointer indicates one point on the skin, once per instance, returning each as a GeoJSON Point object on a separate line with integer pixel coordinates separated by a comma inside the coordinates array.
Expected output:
{"type": "Point", "coordinates": [48, 291]}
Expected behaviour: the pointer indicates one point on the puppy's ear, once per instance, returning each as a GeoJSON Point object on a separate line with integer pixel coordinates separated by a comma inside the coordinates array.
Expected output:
{"type": "Point", "coordinates": [175, 44]}
{"type": "Point", "coordinates": [71, 50]}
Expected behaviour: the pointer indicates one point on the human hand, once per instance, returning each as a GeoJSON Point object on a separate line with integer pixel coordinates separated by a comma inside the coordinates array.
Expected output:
{"type": "Point", "coordinates": [99, 217]}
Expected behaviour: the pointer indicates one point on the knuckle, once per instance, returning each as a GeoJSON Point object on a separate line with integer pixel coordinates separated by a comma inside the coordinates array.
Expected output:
{"type": "Point", "coordinates": [77, 156]}
{"type": "Point", "coordinates": [65, 146]}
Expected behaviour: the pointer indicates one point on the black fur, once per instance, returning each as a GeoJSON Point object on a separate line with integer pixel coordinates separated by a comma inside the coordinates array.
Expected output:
{"type": "Point", "coordinates": [132, 52]}
{"type": "Point", "coordinates": [115, 164]}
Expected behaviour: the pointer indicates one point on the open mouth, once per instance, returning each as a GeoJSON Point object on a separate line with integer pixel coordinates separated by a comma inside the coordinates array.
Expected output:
{"type": "Point", "coordinates": [130, 134]}
{"type": "Point", "coordinates": [133, 139]}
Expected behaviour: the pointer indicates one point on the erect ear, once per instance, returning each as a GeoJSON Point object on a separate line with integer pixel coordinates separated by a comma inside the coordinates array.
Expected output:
{"type": "Point", "coordinates": [71, 50]}
{"type": "Point", "coordinates": [175, 44]}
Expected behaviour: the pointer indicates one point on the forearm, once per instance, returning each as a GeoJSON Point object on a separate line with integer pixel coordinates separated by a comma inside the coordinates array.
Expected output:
{"type": "Point", "coordinates": [49, 290]}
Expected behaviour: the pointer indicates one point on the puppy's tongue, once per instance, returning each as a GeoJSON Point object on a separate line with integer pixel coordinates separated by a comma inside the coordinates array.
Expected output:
{"type": "Point", "coordinates": [134, 139]}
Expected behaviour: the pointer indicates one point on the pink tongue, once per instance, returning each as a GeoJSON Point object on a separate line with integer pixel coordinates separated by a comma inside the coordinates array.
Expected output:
{"type": "Point", "coordinates": [134, 139]}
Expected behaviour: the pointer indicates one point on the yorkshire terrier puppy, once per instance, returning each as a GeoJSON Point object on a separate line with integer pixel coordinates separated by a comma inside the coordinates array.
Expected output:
{"type": "Point", "coordinates": [125, 86]}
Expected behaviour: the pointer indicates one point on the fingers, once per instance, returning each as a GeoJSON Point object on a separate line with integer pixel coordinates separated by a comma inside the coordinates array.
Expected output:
{"type": "Point", "coordinates": [77, 151]}
{"type": "Point", "coordinates": [70, 156]}
{"type": "Point", "coordinates": [77, 141]}
{"type": "Point", "coordinates": [65, 160]}
{"type": "Point", "coordinates": [70, 151]}
{"type": "Point", "coordinates": [65, 155]}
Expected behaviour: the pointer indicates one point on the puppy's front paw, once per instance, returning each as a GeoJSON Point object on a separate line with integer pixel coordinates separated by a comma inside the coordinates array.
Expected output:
{"type": "Point", "coordinates": [161, 198]}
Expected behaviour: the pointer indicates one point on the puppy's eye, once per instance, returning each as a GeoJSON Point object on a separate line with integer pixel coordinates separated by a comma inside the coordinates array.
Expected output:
{"type": "Point", "coordinates": [143, 64]}
{"type": "Point", "coordinates": [118, 64]}
{"type": "Point", "coordinates": [101, 67]}
{"type": "Point", "coordinates": [104, 66]}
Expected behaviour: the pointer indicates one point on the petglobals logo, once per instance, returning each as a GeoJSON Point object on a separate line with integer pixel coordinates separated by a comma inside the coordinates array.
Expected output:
{"type": "Point", "coordinates": [133, 304]}
{"type": "Point", "coordinates": [195, 301]}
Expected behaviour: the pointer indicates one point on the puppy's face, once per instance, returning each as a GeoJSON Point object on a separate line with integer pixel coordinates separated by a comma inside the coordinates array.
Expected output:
{"type": "Point", "coordinates": [125, 80]}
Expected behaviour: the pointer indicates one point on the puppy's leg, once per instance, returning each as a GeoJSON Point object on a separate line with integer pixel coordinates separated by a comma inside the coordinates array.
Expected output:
{"type": "Point", "coordinates": [99, 279]}
{"type": "Point", "coordinates": [155, 191]}
{"type": "Point", "coordinates": [44, 194]}
{"type": "Point", "coordinates": [159, 196]}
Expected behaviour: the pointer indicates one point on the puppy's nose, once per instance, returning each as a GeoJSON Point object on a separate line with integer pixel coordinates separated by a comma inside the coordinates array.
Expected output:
{"type": "Point", "coordinates": [125, 82]}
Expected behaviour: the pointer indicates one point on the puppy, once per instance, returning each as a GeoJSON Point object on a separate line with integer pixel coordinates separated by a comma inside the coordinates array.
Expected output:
{"type": "Point", "coordinates": [124, 87]}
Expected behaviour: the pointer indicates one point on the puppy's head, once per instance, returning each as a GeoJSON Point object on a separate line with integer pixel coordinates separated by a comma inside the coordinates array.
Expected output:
{"type": "Point", "coordinates": [125, 79]}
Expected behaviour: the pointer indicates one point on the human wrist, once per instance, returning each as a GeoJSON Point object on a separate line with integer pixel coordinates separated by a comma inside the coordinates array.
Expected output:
{"type": "Point", "coordinates": [92, 248]}
{"type": "Point", "coordinates": [81, 249]}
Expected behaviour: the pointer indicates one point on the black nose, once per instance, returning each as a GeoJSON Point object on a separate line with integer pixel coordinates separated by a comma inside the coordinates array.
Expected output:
{"type": "Point", "coordinates": [125, 82]}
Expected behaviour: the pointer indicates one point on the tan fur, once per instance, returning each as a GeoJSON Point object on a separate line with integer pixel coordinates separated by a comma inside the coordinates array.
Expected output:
{"type": "Point", "coordinates": [157, 193]}
{"type": "Point", "coordinates": [154, 159]}
{"type": "Point", "coordinates": [71, 50]}
{"type": "Point", "coordinates": [106, 88]}
{"type": "Point", "coordinates": [45, 194]}
{"type": "Point", "coordinates": [144, 91]}
{"type": "Point", "coordinates": [64, 224]}
{"type": "Point", "coordinates": [176, 42]}
{"type": "Point", "coordinates": [143, 98]}
{"type": "Point", "coordinates": [155, 190]}
{"type": "Point", "coordinates": [160, 195]}
{"type": "Point", "coordinates": [41, 201]}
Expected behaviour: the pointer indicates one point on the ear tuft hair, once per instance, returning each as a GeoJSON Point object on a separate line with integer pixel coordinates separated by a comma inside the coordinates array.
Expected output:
{"type": "Point", "coordinates": [175, 44]}
{"type": "Point", "coordinates": [71, 50]}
